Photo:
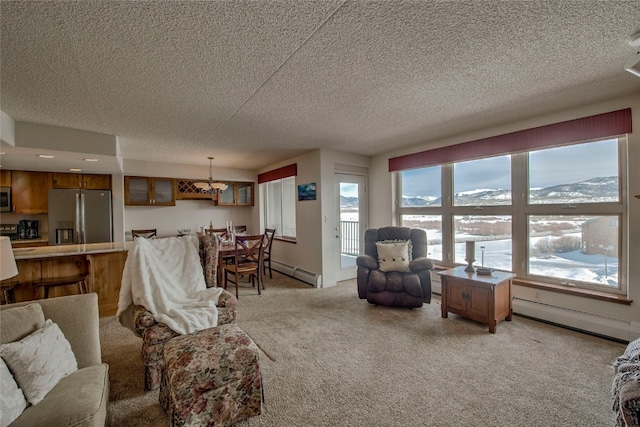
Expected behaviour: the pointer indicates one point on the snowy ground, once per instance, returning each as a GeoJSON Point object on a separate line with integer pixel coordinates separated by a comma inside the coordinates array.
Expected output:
{"type": "Point", "coordinates": [569, 266]}
{"type": "Point", "coordinates": [572, 266]}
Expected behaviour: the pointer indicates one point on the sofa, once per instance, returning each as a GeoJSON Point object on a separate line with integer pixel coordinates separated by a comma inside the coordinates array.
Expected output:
{"type": "Point", "coordinates": [395, 270]}
{"type": "Point", "coordinates": [81, 397]}
{"type": "Point", "coordinates": [625, 390]}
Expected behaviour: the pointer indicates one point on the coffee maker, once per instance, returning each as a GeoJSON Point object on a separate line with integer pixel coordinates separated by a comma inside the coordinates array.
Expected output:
{"type": "Point", "coordinates": [28, 229]}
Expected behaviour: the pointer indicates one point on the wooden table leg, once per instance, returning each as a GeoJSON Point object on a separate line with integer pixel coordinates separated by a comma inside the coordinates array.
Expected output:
{"type": "Point", "coordinates": [443, 298]}
{"type": "Point", "coordinates": [492, 326]}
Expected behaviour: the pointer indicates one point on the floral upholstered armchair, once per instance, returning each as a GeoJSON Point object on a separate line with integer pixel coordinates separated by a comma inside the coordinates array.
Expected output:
{"type": "Point", "coordinates": [395, 270]}
{"type": "Point", "coordinates": [155, 335]}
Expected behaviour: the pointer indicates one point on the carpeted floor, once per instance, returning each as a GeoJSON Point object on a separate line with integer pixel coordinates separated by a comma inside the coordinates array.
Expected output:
{"type": "Point", "coordinates": [331, 359]}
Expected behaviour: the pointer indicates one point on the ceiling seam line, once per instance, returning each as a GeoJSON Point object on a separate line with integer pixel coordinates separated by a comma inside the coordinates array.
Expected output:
{"type": "Point", "coordinates": [275, 71]}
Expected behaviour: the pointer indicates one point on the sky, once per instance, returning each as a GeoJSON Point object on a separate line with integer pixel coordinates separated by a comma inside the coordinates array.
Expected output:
{"type": "Point", "coordinates": [348, 190]}
{"type": "Point", "coordinates": [561, 165]}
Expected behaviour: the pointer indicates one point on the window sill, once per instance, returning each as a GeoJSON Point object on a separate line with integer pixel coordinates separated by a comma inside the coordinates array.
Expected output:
{"type": "Point", "coordinates": [286, 239]}
{"type": "Point", "coordinates": [584, 293]}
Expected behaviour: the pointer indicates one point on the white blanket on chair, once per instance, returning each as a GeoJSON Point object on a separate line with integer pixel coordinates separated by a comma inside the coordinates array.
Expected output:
{"type": "Point", "coordinates": [165, 276]}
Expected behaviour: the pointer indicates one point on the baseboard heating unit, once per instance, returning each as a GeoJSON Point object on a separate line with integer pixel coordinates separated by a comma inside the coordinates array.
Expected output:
{"type": "Point", "coordinates": [297, 273]}
{"type": "Point", "coordinates": [574, 319]}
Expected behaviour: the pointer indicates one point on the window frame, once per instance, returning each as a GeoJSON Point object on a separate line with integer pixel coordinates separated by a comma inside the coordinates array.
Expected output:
{"type": "Point", "coordinates": [280, 228]}
{"type": "Point", "coordinates": [520, 210]}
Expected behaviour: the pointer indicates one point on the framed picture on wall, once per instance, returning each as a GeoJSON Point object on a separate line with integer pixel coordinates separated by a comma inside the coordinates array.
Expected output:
{"type": "Point", "coordinates": [307, 191]}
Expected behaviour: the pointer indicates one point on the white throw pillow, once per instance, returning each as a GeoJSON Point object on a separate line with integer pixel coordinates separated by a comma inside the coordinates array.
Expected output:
{"type": "Point", "coordinates": [40, 360]}
{"type": "Point", "coordinates": [12, 401]}
{"type": "Point", "coordinates": [393, 256]}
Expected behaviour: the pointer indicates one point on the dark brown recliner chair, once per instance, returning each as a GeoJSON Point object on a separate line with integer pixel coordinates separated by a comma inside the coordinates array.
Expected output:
{"type": "Point", "coordinates": [409, 288]}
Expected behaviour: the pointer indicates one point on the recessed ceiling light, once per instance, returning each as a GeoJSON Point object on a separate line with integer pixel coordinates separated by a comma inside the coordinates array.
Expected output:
{"type": "Point", "coordinates": [46, 156]}
{"type": "Point", "coordinates": [91, 160]}
{"type": "Point", "coordinates": [75, 170]}
{"type": "Point", "coordinates": [2, 153]}
{"type": "Point", "coordinates": [634, 40]}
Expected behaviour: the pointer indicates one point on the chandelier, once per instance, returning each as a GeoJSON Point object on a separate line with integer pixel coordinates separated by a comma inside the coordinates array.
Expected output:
{"type": "Point", "coordinates": [210, 187]}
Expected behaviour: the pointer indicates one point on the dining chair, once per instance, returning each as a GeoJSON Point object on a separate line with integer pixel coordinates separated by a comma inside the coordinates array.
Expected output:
{"type": "Point", "coordinates": [220, 232]}
{"type": "Point", "coordinates": [268, 234]}
{"type": "Point", "coordinates": [223, 232]}
{"type": "Point", "coordinates": [240, 228]}
{"type": "Point", "coordinates": [150, 233]}
{"type": "Point", "coordinates": [247, 260]}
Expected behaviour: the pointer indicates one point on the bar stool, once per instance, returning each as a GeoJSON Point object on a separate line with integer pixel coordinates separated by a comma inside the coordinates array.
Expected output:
{"type": "Point", "coordinates": [7, 292]}
{"type": "Point", "coordinates": [80, 280]}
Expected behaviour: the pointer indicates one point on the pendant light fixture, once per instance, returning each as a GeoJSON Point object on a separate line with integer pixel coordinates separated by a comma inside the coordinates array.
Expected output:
{"type": "Point", "coordinates": [210, 187]}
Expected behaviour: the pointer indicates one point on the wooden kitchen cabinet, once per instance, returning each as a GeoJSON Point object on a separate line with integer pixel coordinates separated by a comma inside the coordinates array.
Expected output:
{"type": "Point", "coordinates": [186, 190]}
{"type": "Point", "coordinates": [483, 298]}
{"type": "Point", "coordinates": [237, 194]}
{"type": "Point", "coordinates": [30, 191]}
{"type": "Point", "coordinates": [78, 180]}
{"type": "Point", "coordinates": [5, 178]}
{"type": "Point", "coordinates": [149, 191]}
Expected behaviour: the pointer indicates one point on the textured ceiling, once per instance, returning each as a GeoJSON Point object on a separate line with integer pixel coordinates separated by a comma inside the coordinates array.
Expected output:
{"type": "Point", "coordinates": [255, 82]}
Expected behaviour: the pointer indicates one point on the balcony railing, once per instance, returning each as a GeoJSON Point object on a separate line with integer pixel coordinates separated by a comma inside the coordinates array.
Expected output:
{"type": "Point", "coordinates": [350, 232]}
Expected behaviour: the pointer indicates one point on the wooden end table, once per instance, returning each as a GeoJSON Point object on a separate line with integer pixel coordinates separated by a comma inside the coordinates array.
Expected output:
{"type": "Point", "coordinates": [483, 298]}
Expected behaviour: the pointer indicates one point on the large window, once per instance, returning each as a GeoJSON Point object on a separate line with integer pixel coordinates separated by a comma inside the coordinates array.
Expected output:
{"type": "Point", "coordinates": [422, 187]}
{"type": "Point", "coordinates": [554, 215]}
{"type": "Point", "coordinates": [422, 191]}
{"type": "Point", "coordinates": [484, 182]}
{"type": "Point", "coordinates": [492, 234]}
{"type": "Point", "coordinates": [432, 224]}
{"type": "Point", "coordinates": [280, 206]}
{"type": "Point", "coordinates": [575, 248]}
{"type": "Point", "coordinates": [583, 173]}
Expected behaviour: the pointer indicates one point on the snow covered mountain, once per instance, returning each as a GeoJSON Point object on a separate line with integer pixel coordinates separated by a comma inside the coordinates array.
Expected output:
{"type": "Point", "coordinates": [593, 190]}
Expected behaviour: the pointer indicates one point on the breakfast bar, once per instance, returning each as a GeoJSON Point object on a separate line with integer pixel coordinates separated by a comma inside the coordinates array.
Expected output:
{"type": "Point", "coordinates": [46, 264]}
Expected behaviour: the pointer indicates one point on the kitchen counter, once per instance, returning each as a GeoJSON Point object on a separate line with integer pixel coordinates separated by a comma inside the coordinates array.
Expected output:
{"type": "Point", "coordinates": [38, 264]}
{"type": "Point", "coordinates": [40, 239]}
{"type": "Point", "coordinates": [69, 250]}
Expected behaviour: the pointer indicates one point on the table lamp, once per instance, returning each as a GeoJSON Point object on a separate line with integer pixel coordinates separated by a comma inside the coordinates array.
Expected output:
{"type": "Point", "coordinates": [8, 266]}
{"type": "Point", "coordinates": [471, 255]}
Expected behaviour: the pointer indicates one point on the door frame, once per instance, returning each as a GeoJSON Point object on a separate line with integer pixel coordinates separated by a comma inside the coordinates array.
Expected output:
{"type": "Point", "coordinates": [350, 272]}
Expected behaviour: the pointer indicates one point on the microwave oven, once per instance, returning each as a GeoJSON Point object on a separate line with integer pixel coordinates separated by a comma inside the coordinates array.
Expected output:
{"type": "Point", "coordinates": [5, 199]}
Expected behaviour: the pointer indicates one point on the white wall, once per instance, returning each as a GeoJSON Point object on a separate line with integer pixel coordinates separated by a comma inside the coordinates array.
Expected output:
{"type": "Point", "coordinates": [34, 135]}
{"type": "Point", "coordinates": [333, 162]}
{"type": "Point", "coordinates": [315, 249]}
{"type": "Point", "coordinates": [186, 213]}
{"type": "Point", "coordinates": [306, 252]}
{"type": "Point", "coordinates": [7, 129]}
{"type": "Point", "coordinates": [382, 213]}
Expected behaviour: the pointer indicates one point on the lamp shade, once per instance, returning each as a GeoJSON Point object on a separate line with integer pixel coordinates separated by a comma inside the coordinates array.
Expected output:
{"type": "Point", "coordinates": [8, 266]}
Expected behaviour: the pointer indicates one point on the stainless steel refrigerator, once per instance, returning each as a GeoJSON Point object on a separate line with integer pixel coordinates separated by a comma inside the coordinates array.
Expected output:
{"type": "Point", "coordinates": [79, 216]}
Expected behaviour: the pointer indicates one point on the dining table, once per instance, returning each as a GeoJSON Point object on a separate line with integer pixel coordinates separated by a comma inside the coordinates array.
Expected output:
{"type": "Point", "coordinates": [226, 251]}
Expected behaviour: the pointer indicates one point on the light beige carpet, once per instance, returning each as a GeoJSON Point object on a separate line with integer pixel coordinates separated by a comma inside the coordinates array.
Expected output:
{"type": "Point", "coordinates": [331, 359]}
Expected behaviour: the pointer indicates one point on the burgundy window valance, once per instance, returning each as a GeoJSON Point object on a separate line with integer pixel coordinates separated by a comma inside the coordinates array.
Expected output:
{"type": "Point", "coordinates": [280, 173]}
{"type": "Point", "coordinates": [599, 126]}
